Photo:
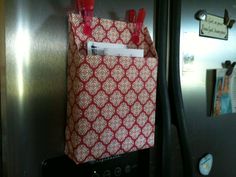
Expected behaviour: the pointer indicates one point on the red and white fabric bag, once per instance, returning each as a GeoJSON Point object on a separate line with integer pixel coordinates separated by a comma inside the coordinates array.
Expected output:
{"type": "Point", "coordinates": [111, 103]}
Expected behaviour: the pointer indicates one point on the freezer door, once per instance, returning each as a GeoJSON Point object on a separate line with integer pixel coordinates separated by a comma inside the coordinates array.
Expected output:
{"type": "Point", "coordinates": [33, 94]}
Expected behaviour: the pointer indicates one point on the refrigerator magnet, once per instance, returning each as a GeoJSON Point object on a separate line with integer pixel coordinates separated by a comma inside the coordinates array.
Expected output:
{"type": "Point", "coordinates": [214, 26]}
{"type": "Point", "coordinates": [205, 164]}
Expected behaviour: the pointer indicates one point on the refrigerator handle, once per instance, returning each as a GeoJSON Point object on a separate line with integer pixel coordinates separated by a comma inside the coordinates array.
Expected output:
{"type": "Point", "coordinates": [163, 105]}
{"type": "Point", "coordinates": [175, 88]}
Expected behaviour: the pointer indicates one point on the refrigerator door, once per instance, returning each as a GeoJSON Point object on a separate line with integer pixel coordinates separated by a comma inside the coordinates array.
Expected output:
{"type": "Point", "coordinates": [33, 82]}
{"type": "Point", "coordinates": [198, 54]}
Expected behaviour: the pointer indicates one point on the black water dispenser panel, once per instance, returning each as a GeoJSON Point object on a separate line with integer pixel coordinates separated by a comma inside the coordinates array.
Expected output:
{"type": "Point", "coordinates": [134, 164]}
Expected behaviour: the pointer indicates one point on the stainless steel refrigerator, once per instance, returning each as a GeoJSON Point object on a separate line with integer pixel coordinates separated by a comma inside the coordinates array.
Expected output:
{"type": "Point", "coordinates": [33, 51]}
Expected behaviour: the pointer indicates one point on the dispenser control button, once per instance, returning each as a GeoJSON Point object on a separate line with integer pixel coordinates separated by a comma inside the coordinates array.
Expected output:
{"type": "Point", "coordinates": [117, 171]}
{"type": "Point", "coordinates": [95, 175]}
{"type": "Point", "coordinates": [107, 173]}
{"type": "Point", "coordinates": [127, 169]}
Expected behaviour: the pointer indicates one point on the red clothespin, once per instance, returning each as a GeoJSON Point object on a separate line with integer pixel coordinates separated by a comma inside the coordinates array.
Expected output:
{"type": "Point", "coordinates": [88, 12]}
{"type": "Point", "coordinates": [139, 24]}
{"type": "Point", "coordinates": [79, 6]}
{"type": "Point", "coordinates": [132, 15]}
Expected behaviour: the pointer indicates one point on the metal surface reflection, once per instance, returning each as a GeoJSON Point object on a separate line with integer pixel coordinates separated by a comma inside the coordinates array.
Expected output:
{"type": "Point", "coordinates": [36, 43]}
{"type": "Point", "coordinates": [2, 79]}
{"type": "Point", "coordinates": [22, 55]}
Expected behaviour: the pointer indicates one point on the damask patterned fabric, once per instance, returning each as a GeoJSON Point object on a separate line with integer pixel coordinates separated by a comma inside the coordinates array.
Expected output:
{"type": "Point", "coordinates": [111, 100]}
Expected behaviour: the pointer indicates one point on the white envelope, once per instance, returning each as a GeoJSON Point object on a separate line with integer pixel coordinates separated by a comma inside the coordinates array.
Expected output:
{"type": "Point", "coordinates": [97, 48]}
{"type": "Point", "coordinates": [124, 52]}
